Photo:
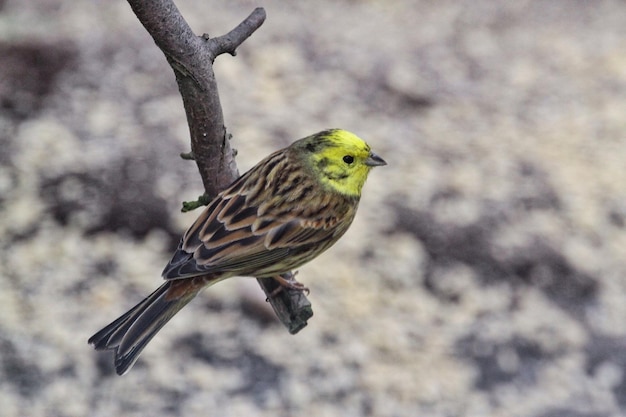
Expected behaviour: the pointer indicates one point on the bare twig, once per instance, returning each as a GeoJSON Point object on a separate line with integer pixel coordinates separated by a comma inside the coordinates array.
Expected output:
{"type": "Point", "coordinates": [228, 43]}
{"type": "Point", "coordinates": [191, 57]}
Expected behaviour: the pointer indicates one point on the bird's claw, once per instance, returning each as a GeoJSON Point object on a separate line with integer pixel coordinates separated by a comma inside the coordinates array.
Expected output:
{"type": "Point", "coordinates": [290, 284]}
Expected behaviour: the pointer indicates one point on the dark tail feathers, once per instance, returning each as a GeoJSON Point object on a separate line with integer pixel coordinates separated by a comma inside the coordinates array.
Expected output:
{"type": "Point", "coordinates": [129, 334]}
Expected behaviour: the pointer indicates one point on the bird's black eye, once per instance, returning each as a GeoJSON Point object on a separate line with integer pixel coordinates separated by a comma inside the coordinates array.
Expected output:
{"type": "Point", "coordinates": [348, 159]}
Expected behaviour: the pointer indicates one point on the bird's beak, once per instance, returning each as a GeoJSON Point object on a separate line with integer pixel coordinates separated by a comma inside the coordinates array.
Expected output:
{"type": "Point", "coordinates": [374, 160]}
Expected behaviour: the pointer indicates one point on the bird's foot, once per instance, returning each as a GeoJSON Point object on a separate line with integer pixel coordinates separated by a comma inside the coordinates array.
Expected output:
{"type": "Point", "coordinates": [289, 283]}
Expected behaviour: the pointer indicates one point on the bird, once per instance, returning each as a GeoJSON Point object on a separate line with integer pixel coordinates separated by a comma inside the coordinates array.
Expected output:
{"type": "Point", "coordinates": [279, 215]}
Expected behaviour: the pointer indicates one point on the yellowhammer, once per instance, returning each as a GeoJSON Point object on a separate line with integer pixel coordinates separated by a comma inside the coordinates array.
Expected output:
{"type": "Point", "coordinates": [289, 208]}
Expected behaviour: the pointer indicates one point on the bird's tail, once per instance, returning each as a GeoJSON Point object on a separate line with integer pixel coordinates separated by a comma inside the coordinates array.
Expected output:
{"type": "Point", "coordinates": [130, 333]}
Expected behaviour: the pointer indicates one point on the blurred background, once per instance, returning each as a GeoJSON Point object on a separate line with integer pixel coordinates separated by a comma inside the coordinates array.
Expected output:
{"type": "Point", "coordinates": [485, 274]}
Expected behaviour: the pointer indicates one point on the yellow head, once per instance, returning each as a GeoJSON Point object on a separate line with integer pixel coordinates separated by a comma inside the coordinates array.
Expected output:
{"type": "Point", "coordinates": [339, 159]}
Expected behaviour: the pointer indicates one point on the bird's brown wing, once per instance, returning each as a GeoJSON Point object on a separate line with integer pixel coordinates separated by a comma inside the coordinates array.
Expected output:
{"type": "Point", "coordinates": [242, 233]}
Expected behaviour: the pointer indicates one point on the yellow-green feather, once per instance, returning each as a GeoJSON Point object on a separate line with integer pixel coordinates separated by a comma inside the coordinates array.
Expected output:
{"type": "Point", "coordinates": [323, 154]}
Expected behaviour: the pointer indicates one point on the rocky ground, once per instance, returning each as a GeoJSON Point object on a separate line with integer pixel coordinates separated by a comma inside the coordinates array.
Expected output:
{"type": "Point", "coordinates": [484, 276]}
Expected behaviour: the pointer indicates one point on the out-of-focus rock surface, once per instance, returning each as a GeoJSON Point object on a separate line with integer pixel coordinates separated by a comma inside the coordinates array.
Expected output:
{"type": "Point", "coordinates": [484, 276]}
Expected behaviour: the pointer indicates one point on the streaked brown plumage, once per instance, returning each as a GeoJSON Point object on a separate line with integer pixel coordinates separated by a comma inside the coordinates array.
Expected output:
{"type": "Point", "coordinates": [285, 211]}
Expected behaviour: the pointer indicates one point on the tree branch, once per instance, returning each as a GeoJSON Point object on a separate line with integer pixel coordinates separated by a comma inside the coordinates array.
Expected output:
{"type": "Point", "coordinates": [191, 57]}
{"type": "Point", "coordinates": [228, 43]}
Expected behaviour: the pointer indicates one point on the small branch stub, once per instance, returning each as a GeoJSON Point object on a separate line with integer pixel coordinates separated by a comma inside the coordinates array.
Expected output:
{"type": "Point", "coordinates": [188, 156]}
{"type": "Point", "coordinates": [202, 200]}
{"type": "Point", "coordinates": [291, 306]}
{"type": "Point", "coordinates": [230, 42]}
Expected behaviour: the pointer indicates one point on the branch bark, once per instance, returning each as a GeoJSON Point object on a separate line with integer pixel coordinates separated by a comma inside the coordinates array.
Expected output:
{"type": "Point", "coordinates": [191, 57]}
